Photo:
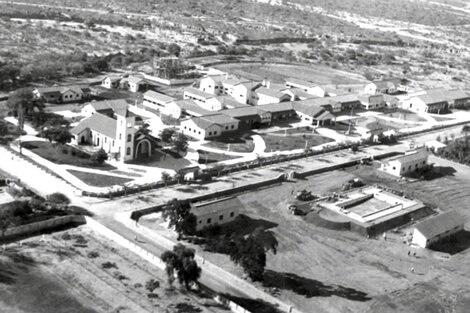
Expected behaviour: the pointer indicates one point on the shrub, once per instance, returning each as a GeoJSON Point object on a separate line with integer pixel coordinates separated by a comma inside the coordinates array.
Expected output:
{"type": "Point", "coordinates": [152, 284]}
{"type": "Point", "coordinates": [66, 236]}
{"type": "Point", "coordinates": [99, 157]}
{"type": "Point", "coordinates": [107, 265]}
{"type": "Point", "coordinates": [58, 199]}
{"type": "Point", "coordinates": [93, 254]}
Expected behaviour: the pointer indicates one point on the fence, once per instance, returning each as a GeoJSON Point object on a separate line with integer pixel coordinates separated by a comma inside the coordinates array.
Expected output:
{"type": "Point", "coordinates": [38, 227]}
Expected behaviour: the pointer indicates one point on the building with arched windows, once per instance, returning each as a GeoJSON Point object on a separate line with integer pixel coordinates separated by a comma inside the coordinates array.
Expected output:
{"type": "Point", "coordinates": [116, 130]}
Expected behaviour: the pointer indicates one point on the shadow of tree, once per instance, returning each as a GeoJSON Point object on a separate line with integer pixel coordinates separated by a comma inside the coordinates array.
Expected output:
{"type": "Point", "coordinates": [311, 288]}
{"type": "Point", "coordinates": [253, 305]}
{"type": "Point", "coordinates": [12, 265]}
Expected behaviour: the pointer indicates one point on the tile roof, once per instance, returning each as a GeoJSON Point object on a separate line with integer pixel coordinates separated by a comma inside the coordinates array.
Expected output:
{"type": "Point", "coordinates": [301, 82]}
{"type": "Point", "coordinates": [439, 224]}
{"type": "Point", "coordinates": [346, 98]}
{"type": "Point", "coordinates": [209, 120]}
{"type": "Point", "coordinates": [59, 89]}
{"type": "Point", "coordinates": [433, 98]}
{"type": "Point", "coordinates": [227, 100]}
{"type": "Point", "coordinates": [251, 85]}
{"type": "Point", "coordinates": [300, 93]}
{"type": "Point", "coordinates": [244, 111]}
{"type": "Point", "coordinates": [113, 78]}
{"type": "Point", "coordinates": [412, 155]}
{"type": "Point", "coordinates": [158, 96]}
{"type": "Point", "coordinates": [198, 93]}
{"type": "Point", "coordinates": [115, 105]}
{"type": "Point", "coordinates": [191, 107]}
{"type": "Point", "coordinates": [277, 107]}
{"type": "Point", "coordinates": [317, 112]}
{"type": "Point", "coordinates": [457, 94]}
{"type": "Point", "coordinates": [135, 80]}
{"type": "Point", "coordinates": [227, 204]}
{"type": "Point", "coordinates": [271, 93]}
{"type": "Point", "coordinates": [387, 83]}
{"type": "Point", "coordinates": [99, 123]}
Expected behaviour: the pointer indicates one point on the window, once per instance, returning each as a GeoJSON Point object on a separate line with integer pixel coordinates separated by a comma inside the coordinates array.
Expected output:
{"type": "Point", "coordinates": [210, 133]}
{"type": "Point", "coordinates": [113, 143]}
{"type": "Point", "coordinates": [199, 133]}
{"type": "Point", "coordinates": [105, 139]}
{"type": "Point", "coordinates": [233, 126]}
{"type": "Point", "coordinates": [232, 214]}
{"type": "Point", "coordinates": [215, 133]}
{"type": "Point", "coordinates": [226, 127]}
{"type": "Point", "coordinates": [129, 138]}
{"type": "Point", "coordinates": [128, 151]}
{"type": "Point", "coordinates": [394, 167]}
{"type": "Point", "coordinates": [120, 136]}
{"type": "Point", "coordinates": [424, 162]}
{"type": "Point", "coordinates": [221, 217]}
{"type": "Point", "coordinates": [209, 221]}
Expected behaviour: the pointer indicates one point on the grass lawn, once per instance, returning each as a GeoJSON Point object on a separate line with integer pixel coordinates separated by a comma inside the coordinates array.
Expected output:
{"type": "Point", "coordinates": [98, 180]}
{"type": "Point", "coordinates": [278, 142]}
{"type": "Point", "coordinates": [163, 159]}
{"type": "Point", "coordinates": [373, 123]}
{"type": "Point", "coordinates": [206, 157]}
{"type": "Point", "coordinates": [235, 144]}
{"type": "Point", "coordinates": [55, 155]}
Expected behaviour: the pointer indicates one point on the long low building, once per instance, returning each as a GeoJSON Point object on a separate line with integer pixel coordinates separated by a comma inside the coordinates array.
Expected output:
{"type": "Point", "coordinates": [217, 212]}
{"type": "Point", "coordinates": [408, 163]}
{"type": "Point", "coordinates": [209, 126]}
{"type": "Point", "coordinates": [437, 229]}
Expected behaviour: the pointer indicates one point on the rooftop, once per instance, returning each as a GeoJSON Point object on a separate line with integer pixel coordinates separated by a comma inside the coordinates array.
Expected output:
{"type": "Point", "coordinates": [271, 92]}
{"type": "Point", "coordinates": [118, 106]}
{"type": "Point", "coordinates": [192, 108]}
{"type": "Point", "coordinates": [227, 204]}
{"type": "Point", "coordinates": [158, 96]}
{"type": "Point", "coordinates": [97, 122]}
{"type": "Point", "coordinates": [198, 93]}
{"type": "Point", "coordinates": [433, 98]}
{"type": "Point", "coordinates": [300, 82]}
{"type": "Point", "coordinates": [439, 224]}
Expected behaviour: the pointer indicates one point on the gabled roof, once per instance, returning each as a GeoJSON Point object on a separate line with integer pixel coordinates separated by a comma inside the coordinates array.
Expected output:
{"type": "Point", "coordinates": [457, 94]}
{"type": "Point", "coordinates": [158, 96]}
{"type": "Point", "coordinates": [277, 107]}
{"type": "Point", "coordinates": [316, 111]}
{"type": "Point", "coordinates": [346, 98]}
{"type": "Point", "coordinates": [251, 85]}
{"type": "Point", "coordinates": [412, 155]}
{"type": "Point", "coordinates": [207, 121]}
{"type": "Point", "coordinates": [301, 82]}
{"type": "Point", "coordinates": [300, 93]}
{"type": "Point", "coordinates": [113, 78]}
{"type": "Point", "coordinates": [227, 100]}
{"type": "Point", "coordinates": [271, 93]}
{"type": "Point", "coordinates": [227, 204]}
{"type": "Point", "coordinates": [439, 224]}
{"type": "Point", "coordinates": [192, 108]}
{"type": "Point", "coordinates": [199, 93]}
{"type": "Point", "coordinates": [59, 89]}
{"type": "Point", "coordinates": [433, 98]}
{"type": "Point", "coordinates": [319, 102]}
{"type": "Point", "coordinates": [244, 111]}
{"type": "Point", "coordinates": [118, 105]}
{"type": "Point", "coordinates": [99, 123]}
{"type": "Point", "coordinates": [134, 79]}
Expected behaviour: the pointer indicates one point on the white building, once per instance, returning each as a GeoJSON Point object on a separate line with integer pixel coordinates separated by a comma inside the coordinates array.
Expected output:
{"type": "Point", "coordinates": [116, 131]}
{"type": "Point", "coordinates": [205, 100]}
{"type": "Point", "coordinates": [156, 101]}
{"type": "Point", "coordinates": [306, 86]}
{"type": "Point", "coordinates": [240, 89]}
{"type": "Point", "coordinates": [437, 229]}
{"type": "Point", "coordinates": [61, 94]}
{"type": "Point", "coordinates": [410, 162]}
{"type": "Point", "coordinates": [427, 103]}
{"type": "Point", "coordinates": [209, 126]}
{"type": "Point", "coordinates": [134, 84]}
{"type": "Point", "coordinates": [263, 95]}
{"type": "Point", "coordinates": [217, 212]}
{"type": "Point", "coordinates": [388, 86]}
{"type": "Point", "coordinates": [110, 82]}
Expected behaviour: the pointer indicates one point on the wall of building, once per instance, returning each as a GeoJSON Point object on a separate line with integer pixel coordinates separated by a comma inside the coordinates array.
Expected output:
{"type": "Point", "coordinates": [216, 218]}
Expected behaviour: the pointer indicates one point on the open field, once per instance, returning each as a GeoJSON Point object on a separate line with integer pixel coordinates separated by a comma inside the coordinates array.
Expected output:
{"type": "Point", "coordinates": [406, 116]}
{"type": "Point", "coordinates": [279, 72]}
{"type": "Point", "coordinates": [163, 159]}
{"type": "Point", "coordinates": [231, 144]}
{"type": "Point", "coordinates": [66, 274]}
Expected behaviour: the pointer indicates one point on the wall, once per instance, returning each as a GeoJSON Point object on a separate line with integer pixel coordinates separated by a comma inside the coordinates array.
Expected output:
{"type": "Point", "coordinates": [42, 226]}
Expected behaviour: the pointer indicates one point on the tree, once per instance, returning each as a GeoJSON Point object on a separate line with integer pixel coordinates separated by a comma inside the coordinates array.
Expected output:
{"type": "Point", "coordinates": [167, 134]}
{"type": "Point", "coordinates": [58, 200]}
{"type": "Point", "coordinates": [99, 157]}
{"type": "Point", "coordinates": [181, 260]}
{"type": "Point", "coordinates": [174, 49]}
{"type": "Point", "coordinates": [166, 177]}
{"type": "Point", "coordinates": [251, 255]}
{"type": "Point", "coordinates": [179, 216]}
{"type": "Point", "coordinates": [6, 219]}
{"type": "Point", "coordinates": [180, 142]}
{"type": "Point", "coordinates": [22, 103]}
{"type": "Point", "coordinates": [59, 135]}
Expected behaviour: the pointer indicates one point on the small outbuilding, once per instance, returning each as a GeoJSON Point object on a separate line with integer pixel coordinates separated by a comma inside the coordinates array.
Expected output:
{"type": "Point", "coordinates": [217, 212]}
{"type": "Point", "coordinates": [411, 161]}
{"type": "Point", "coordinates": [437, 229]}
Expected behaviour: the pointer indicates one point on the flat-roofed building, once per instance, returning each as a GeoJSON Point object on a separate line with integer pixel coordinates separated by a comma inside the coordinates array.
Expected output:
{"type": "Point", "coordinates": [217, 212]}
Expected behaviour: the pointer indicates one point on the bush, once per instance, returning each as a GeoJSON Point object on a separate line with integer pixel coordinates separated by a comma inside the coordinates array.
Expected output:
{"type": "Point", "coordinates": [152, 284]}
{"type": "Point", "coordinates": [93, 254]}
{"type": "Point", "coordinates": [107, 265]}
{"type": "Point", "coordinates": [58, 199]}
{"type": "Point", "coordinates": [99, 157]}
{"type": "Point", "coordinates": [66, 236]}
